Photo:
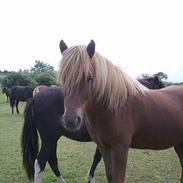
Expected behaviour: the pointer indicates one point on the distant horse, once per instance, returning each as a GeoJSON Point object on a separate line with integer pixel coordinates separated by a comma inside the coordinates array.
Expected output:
{"type": "Point", "coordinates": [6, 91]}
{"type": "Point", "coordinates": [152, 82]}
{"type": "Point", "coordinates": [45, 111]}
{"type": "Point", "coordinates": [19, 93]}
{"type": "Point", "coordinates": [118, 111]}
{"type": "Point", "coordinates": [39, 88]}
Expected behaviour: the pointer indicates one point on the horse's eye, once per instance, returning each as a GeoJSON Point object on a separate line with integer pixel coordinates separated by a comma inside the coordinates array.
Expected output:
{"type": "Point", "coordinates": [89, 78]}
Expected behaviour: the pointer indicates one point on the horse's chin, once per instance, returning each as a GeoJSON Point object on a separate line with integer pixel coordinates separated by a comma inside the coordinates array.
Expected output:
{"type": "Point", "coordinates": [71, 127]}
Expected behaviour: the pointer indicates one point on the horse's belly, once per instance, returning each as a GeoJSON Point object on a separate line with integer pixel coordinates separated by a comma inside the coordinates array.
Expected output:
{"type": "Point", "coordinates": [158, 140]}
{"type": "Point", "coordinates": [158, 127]}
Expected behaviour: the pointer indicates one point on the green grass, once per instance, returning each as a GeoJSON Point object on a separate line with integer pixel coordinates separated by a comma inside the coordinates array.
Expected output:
{"type": "Point", "coordinates": [74, 158]}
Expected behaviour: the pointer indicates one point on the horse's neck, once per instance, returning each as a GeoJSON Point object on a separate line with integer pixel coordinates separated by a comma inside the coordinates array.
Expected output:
{"type": "Point", "coordinates": [98, 111]}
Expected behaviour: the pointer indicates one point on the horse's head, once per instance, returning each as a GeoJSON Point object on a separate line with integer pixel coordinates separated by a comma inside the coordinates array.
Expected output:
{"type": "Point", "coordinates": [152, 82]}
{"type": "Point", "coordinates": [3, 90]}
{"type": "Point", "coordinates": [89, 79]}
{"type": "Point", "coordinates": [76, 75]}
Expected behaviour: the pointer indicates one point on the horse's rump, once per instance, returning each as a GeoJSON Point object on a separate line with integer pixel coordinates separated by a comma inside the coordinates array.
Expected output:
{"type": "Point", "coordinates": [38, 89]}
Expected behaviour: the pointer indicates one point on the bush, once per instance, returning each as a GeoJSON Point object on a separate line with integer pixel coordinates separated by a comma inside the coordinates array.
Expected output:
{"type": "Point", "coordinates": [44, 78]}
{"type": "Point", "coordinates": [15, 79]}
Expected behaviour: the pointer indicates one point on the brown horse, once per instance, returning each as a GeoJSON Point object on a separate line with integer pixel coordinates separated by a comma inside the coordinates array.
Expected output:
{"type": "Point", "coordinates": [118, 111]}
{"type": "Point", "coordinates": [43, 114]}
{"type": "Point", "coordinates": [39, 88]}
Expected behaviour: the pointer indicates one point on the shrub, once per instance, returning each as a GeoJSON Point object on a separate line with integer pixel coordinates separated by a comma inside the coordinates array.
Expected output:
{"type": "Point", "coordinates": [15, 79]}
{"type": "Point", "coordinates": [44, 78]}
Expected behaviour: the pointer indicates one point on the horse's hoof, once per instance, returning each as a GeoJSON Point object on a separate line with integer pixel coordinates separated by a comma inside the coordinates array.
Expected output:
{"type": "Point", "coordinates": [60, 180]}
{"type": "Point", "coordinates": [90, 179]}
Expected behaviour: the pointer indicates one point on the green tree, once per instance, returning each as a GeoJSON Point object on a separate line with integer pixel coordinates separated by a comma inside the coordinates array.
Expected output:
{"type": "Point", "coordinates": [40, 66]}
{"type": "Point", "coordinates": [44, 78]}
{"type": "Point", "coordinates": [17, 78]}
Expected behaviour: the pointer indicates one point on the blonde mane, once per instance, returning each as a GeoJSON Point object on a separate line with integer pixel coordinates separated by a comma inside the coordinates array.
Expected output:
{"type": "Point", "coordinates": [110, 84]}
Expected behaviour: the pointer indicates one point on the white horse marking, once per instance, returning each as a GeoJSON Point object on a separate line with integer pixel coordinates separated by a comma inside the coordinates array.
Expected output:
{"type": "Point", "coordinates": [37, 172]}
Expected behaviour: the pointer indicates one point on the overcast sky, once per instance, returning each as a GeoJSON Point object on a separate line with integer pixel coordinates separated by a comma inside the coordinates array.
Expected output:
{"type": "Point", "coordinates": [141, 36]}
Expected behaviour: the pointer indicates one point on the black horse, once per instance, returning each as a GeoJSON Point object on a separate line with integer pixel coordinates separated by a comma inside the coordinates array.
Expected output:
{"type": "Point", "coordinates": [152, 82]}
{"type": "Point", "coordinates": [6, 91]}
{"type": "Point", "coordinates": [19, 93]}
{"type": "Point", "coordinates": [43, 113]}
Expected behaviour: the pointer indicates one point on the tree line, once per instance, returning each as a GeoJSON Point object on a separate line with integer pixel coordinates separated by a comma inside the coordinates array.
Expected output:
{"type": "Point", "coordinates": [44, 74]}
{"type": "Point", "coordinates": [40, 74]}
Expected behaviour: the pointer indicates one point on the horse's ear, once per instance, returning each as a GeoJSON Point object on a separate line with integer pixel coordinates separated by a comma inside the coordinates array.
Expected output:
{"type": "Point", "coordinates": [156, 80]}
{"type": "Point", "coordinates": [63, 46]}
{"type": "Point", "coordinates": [91, 48]}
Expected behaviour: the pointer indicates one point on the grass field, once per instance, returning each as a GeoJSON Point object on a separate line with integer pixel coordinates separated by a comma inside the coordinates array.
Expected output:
{"type": "Point", "coordinates": [74, 158]}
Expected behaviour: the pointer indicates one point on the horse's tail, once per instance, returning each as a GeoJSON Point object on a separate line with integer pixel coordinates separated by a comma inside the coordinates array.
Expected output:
{"type": "Point", "coordinates": [29, 139]}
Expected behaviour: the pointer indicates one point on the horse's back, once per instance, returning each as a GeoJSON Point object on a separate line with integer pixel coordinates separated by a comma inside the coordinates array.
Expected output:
{"type": "Point", "coordinates": [49, 96]}
{"type": "Point", "coordinates": [173, 92]}
{"type": "Point", "coordinates": [28, 92]}
{"type": "Point", "coordinates": [50, 99]}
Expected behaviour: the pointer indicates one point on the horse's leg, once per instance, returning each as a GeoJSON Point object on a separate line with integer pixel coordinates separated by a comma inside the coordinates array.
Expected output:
{"type": "Point", "coordinates": [52, 160]}
{"type": "Point", "coordinates": [96, 160]}
{"type": "Point", "coordinates": [17, 106]}
{"type": "Point", "coordinates": [108, 164]}
{"type": "Point", "coordinates": [40, 163]}
{"type": "Point", "coordinates": [37, 171]}
{"type": "Point", "coordinates": [48, 153]}
{"type": "Point", "coordinates": [12, 106]}
{"type": "Point", "coordinates": [179, 151]}
{"type": "Point", "coordinates": [119, 161]}
{"type": "Point", "coordinates": [115, 163]}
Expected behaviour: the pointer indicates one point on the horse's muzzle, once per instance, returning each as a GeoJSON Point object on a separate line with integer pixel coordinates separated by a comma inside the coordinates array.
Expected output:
{"type": "Point", "coordinates": [72, 124]}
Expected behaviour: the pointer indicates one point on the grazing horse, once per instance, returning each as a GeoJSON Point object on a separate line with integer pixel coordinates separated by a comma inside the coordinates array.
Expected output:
{"type": "Point", "coordinates": [19, 93]}
{"type": "Point", "coordinates": [118, 111]}
{"type": "Point", "coordinates": [6, 91]}
{"type": "Point", "coordinates": [39, 88]}
{"type": "Point", "coordinates": [48, 108]}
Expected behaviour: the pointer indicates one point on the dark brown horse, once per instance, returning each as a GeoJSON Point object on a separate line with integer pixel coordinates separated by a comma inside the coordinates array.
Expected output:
{"type": "Point", "coordinates": [152, 82]}
{"type": "Point", "coordinates": [43, 113]}
{"type": "Point", "coordinates": [6, 91]}
{"type": "Point", "coordinates": [118, 111]}
{"type": "Point", "coordinates": [19, 93]}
